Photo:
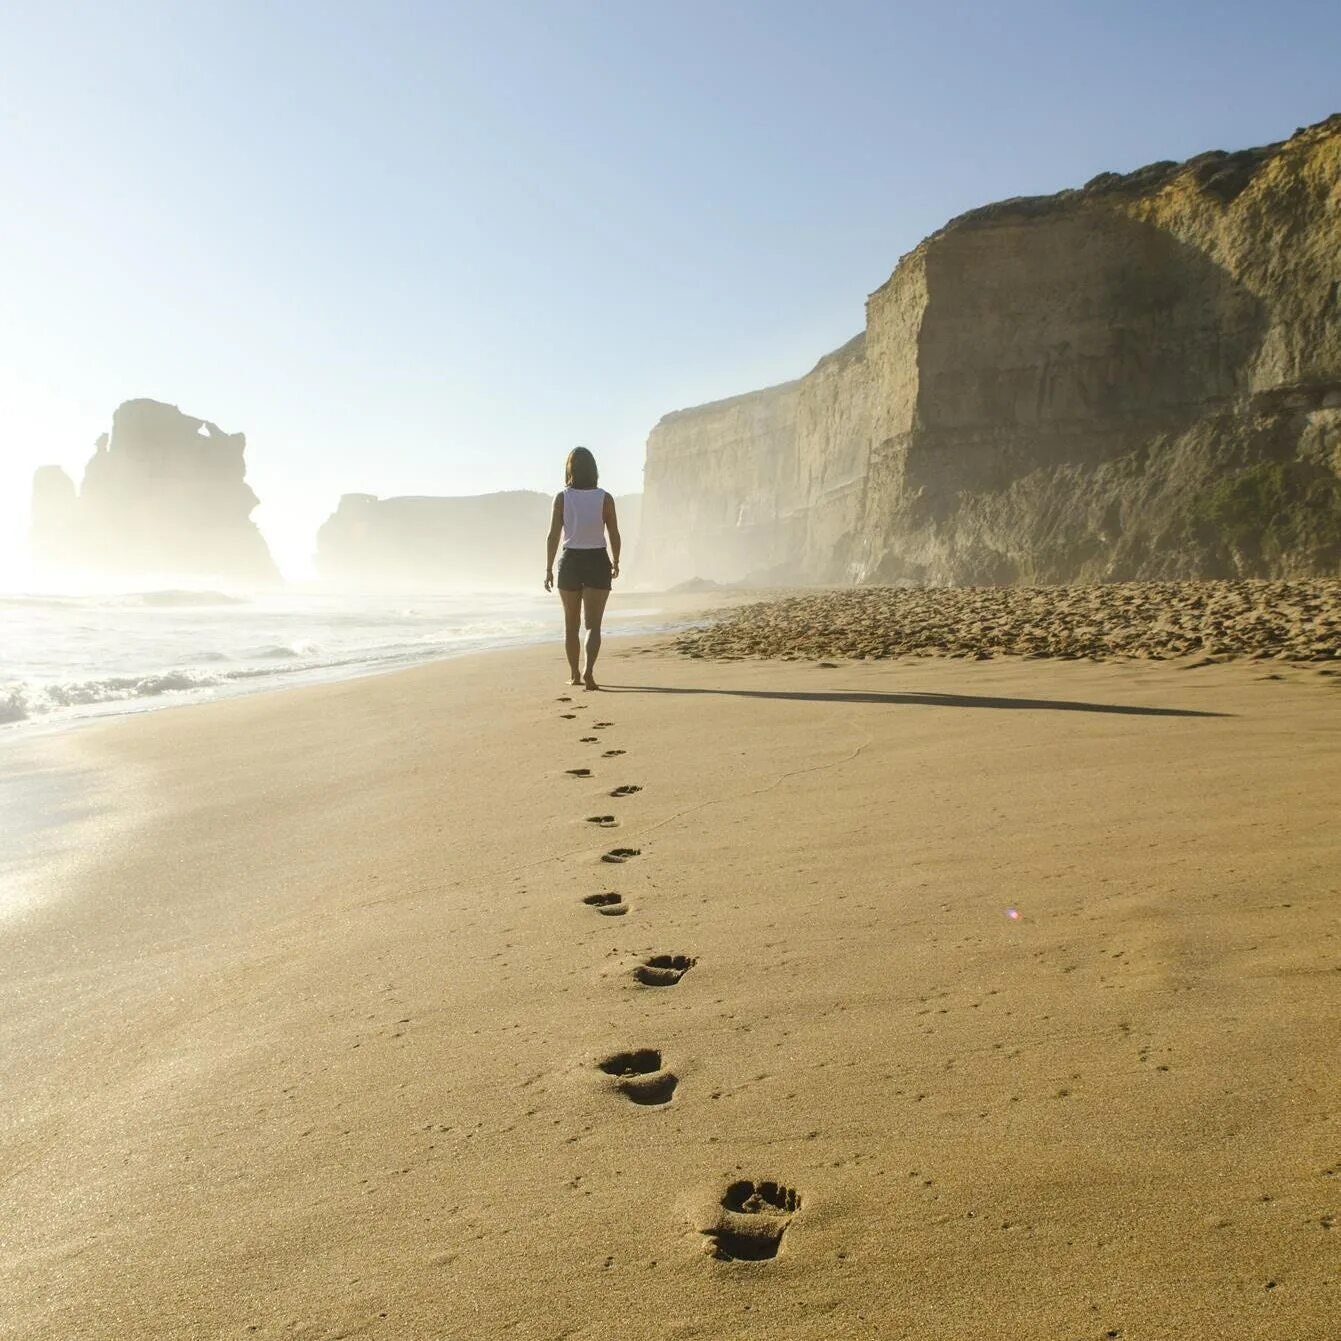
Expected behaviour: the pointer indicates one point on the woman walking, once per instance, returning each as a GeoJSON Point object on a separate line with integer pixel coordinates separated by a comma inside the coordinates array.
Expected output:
{"type": "Point", "coordinates": [583, 514]}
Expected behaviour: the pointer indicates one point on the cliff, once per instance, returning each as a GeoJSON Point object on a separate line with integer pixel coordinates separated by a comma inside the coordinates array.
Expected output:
{"type": "Point", "coordinates": [1140, 378]}
{"type": "Point", "coordinates": [719, 487]}
{"type": "Point", "coordinates": [163, 494]}
{"type": "Point", "coordinates": [486, 540]}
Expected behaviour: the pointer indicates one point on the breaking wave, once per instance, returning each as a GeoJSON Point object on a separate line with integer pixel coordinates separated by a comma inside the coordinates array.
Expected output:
{"type": "Point", "coordinates": [18, 702]}
{"type": "Point", "coordinates": [170, 598]}
{"type": "Point", "coordinates": [173, 597]}
{"type": "Point", "coordinates": [68, 657]}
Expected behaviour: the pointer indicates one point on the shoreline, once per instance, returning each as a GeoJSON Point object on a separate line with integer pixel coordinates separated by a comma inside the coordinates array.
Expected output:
{"type": "Point", "coordinates": [312, 1041]}
{"type": "Point", "coordinates": [62, 673]}
{"type": "Point", "coordinates": [44, 806]}
{"type": "Point", "coordinates": [1188, 622]}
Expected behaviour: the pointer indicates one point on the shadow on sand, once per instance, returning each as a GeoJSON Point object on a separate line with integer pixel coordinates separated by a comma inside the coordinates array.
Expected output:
{"type": "Point", "coordinates": [925, 700]}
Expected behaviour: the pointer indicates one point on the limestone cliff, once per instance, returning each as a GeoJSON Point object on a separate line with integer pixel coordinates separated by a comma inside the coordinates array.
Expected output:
{"type": "Point", "coordinates": [1140, 378]}
{"type": "Point", "coordinates": [486, 540]}
{"type": "Point", "coordinates": [163, 494]}
{"type": "Point", "coordinates": [719, 487]}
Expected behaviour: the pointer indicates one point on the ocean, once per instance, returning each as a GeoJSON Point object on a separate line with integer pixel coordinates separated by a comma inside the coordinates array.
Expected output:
{"type": "Point", "coordinates": [65, 658]}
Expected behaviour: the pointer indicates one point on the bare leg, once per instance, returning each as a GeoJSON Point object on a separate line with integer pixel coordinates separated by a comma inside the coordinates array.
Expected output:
{"type": "Point", "coordinates": [572, 619]}
{"type": "Point", "coordinates": [593, 601]}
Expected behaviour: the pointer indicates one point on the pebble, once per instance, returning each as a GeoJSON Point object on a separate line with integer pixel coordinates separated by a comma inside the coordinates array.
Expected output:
{"type": "Point", "coordinates": [1294, 620]}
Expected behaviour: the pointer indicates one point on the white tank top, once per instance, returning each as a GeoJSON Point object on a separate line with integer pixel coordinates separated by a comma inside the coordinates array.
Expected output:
{"type": "Point", "coordinates": [584, 519]}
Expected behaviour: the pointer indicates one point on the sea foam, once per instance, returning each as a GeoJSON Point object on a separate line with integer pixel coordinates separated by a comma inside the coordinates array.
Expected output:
{"type": "Point", "coordinates": [68, 656]}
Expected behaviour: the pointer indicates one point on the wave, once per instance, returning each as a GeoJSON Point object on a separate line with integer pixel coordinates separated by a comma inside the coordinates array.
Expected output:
{"type": "Point", "coordinates": [72, 657]}
{"type": "Point", "coordinates": [284, 652]}
{"type": "Point", "coordinates": [38, 602]}
{"type": "Point", "coordinates": [13, 705]}
{"type": "Point", "coordinates": [173, 598]}
{"type": "Point", "coordinates": [22, 701]}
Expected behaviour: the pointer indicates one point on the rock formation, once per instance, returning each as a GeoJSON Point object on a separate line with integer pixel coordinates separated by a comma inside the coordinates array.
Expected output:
{"type": "Point", "coordinates": [163, 494]}
{"type": "Point", "coordinates": [1137, 379]}
{"type": "Point", "coordinates": [54, 514]}
{"type": "Point", "coordinates": [488, 540]}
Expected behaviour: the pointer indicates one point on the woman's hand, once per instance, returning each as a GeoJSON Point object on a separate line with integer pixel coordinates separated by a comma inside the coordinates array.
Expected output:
{"type": "Point", "coordinates": [549, 579]}
{"type": "Point", "coordinates": [614, 570]}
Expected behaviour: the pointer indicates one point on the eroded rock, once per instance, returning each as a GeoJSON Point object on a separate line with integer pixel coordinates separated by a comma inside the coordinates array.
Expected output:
{"type": "Point", "coordinates": [1138, 379]}
{"type": "Point", "coordinates": [163, 494]}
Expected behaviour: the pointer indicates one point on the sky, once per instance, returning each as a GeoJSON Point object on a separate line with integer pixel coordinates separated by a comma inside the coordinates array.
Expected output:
{"type": "Point", "coordinates": [428, 247]}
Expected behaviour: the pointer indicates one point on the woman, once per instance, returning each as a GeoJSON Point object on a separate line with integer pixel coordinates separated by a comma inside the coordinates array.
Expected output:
{"type": "Point", "coordinates": [583, 514]}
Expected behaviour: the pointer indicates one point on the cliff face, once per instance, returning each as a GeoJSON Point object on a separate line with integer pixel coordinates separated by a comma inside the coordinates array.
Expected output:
{"type": "Point", "coordinates": [719, 487]}
{"type": "Point", "coordinates": [489, 540]}
{"type": "Point", "coordinates": [164, 493]}
{"type": "Point", "coordinates": [1141, 378]}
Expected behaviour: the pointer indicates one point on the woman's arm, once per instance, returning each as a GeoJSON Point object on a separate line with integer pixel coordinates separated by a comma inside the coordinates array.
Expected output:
{"type": "Point", "coordinates": [552, 540]}
{"type": "Point", "coordinates": [611, 525]}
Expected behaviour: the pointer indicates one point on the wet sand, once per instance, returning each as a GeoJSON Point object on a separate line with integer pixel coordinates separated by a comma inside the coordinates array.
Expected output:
{"type": "Point", "coordinates": [956, 998]}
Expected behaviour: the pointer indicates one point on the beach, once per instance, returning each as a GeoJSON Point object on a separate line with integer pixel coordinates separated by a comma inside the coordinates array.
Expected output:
{"type": "Point", "coordinates": [927, 997]}
{"type": "Point", "coordinates": [73, 655]}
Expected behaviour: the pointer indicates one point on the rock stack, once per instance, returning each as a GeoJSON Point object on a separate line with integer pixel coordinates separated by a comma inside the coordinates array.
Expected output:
{"type": "Point", "coordinates": [165, 494]}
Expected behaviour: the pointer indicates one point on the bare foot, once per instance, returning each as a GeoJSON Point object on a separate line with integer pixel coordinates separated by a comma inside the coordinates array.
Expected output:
{"type": "Point", "coordinates": [575, 680]}
{"type": "Point", "coordinates": [589, 683]}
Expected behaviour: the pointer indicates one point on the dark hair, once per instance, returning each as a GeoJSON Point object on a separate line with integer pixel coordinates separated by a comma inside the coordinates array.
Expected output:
{"type": "Point", "coordinates": [579, 471]}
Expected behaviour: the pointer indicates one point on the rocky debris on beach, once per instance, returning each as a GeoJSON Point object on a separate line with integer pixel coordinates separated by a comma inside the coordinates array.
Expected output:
{"type": "Point", "coordinates": [1289, 620]}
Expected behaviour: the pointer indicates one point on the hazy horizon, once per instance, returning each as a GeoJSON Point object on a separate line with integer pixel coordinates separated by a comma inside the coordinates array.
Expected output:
{"type": "Point", "coordinates": [429, 255]}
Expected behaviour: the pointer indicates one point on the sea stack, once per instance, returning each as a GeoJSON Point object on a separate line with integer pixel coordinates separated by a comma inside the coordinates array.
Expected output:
{"type": "Point", "coordinates": [163, 494]}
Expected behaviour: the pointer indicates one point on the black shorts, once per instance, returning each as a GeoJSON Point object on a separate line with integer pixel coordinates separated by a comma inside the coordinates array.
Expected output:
{"type": "Point", "coordinates": [580, 568]}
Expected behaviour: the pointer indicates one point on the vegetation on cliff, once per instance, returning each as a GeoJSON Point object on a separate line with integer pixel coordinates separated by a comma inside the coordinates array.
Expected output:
{"type": "Point", "coordinates": [1270, 515]}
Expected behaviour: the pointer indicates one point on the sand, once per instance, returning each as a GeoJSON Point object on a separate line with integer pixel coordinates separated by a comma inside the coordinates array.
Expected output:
{"type": "Point", "coordinates": [977, 999]}
{"type": "Point", "coordinates": [1295, 621]}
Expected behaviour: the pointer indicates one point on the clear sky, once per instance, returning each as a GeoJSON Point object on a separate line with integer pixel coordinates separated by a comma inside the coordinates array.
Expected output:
{"type": "Point", "coordinates": [427, 247]}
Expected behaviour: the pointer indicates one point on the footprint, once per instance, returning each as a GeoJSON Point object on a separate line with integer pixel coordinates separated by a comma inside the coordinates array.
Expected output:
{"type": "Point", "coordinates": [754, 1218]}
{"type": "Point", "coordinates": [618, 854]}
{"type": "Point", "coordinates": [598, 725]}
{"type": "Point", "coordinates": [627, 790]}
{"type": "Point", "coordinates": [578, 772]}
{"type": "Point", "coordinates": [563, 698]}
{"type": "Point", "coordinates": [588, 740]}
{"type": "Point", "coordinates": [608, 905]}
{"type": "Point", "coordinates": [641, 1077]}
{"type": "Point", "coordinates": [568, 716]}
{"type": "Point", "coordinates": [611, 754]}
{"type": "Point", "coordinates": [605, 821]}
{"type": "Point", "coordinates": [663, 970]}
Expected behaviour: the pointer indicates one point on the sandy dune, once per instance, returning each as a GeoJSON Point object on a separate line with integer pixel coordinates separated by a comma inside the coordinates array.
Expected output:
{"type": "Point", "coordinates": [907, 999]}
